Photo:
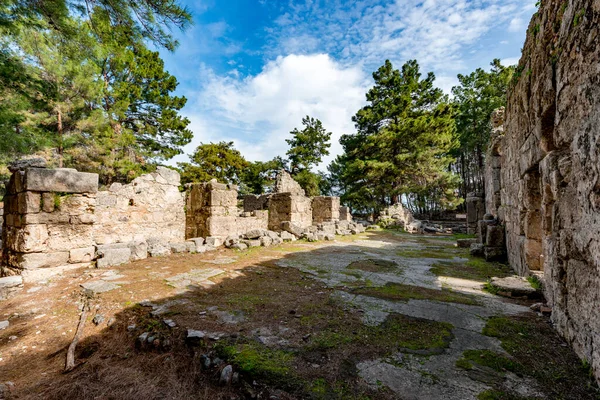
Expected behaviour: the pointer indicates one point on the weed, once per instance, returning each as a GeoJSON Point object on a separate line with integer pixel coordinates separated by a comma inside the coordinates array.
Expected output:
{"type": "Point", "coordinates": [488, 287]}
{"type": "Point", "coordinates": [578, 16]}
{"type": "Point", "coordinates": [535, 282]}
{"type": "Point", "coordinates": [402, 292]}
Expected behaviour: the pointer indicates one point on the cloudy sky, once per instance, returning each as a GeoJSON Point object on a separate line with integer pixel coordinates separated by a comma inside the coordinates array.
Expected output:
{"type": "Point", "coordinates": [251, 69]}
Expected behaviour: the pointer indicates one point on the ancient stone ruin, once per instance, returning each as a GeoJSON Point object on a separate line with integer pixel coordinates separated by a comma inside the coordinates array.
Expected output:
{"type": "Point", "coordinates": [543, 168]}
{"type": "Point", "coordinates": [57, 220]}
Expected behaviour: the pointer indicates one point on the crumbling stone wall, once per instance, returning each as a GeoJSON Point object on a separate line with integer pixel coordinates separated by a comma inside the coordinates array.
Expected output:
{"type": "Point", "coordinates": [325, 209]}
{"type": "Point", "coordinates": [48, 222]}
{"type": "Point", "coordinates": [345, 214]}
{"type": "Point", "coordinates": [253, 202]}
{"type": "Point", "coordinates": [212, 211]}
{"type": "Point", "coordinates": [475, 211]}
{"type": "Point", "coordinates": [550, 167]}
{"type": "Point", "coordinates": [150, 206]}
{"type": "Point", "coordinates": [493, 168]}
{"type": "Point", "coordinates": [289, 207]}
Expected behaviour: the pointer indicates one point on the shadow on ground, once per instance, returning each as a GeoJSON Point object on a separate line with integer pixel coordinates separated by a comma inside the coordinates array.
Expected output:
{"type": "Point", "coordinates": [360, 318]}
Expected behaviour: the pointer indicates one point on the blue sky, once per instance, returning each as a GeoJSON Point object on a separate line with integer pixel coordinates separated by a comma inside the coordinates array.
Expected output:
{"type": "Point", "coordinates": [251, 69]}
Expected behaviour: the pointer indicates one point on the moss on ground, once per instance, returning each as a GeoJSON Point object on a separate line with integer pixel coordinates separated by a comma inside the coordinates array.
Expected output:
{"type": "Point", "coordinates": [397, 333]}
{"type": "Point", "coordinates": [535, 350]}
{"type": "Point", "coordinates": [474, 269]}
{"type": "Point", "coordinates": [374, 265]}
{"type": "Point", "coordinates": [501, 395]}
{"type": "Point", "coordinates": [272, 366]}
{"type": "Point", "coordinates": [402, 292]}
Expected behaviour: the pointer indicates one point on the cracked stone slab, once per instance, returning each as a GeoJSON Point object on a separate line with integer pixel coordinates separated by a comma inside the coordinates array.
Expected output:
{"type": "Point", "coordinates": [99, 286]}
{"type": "Point", "coordinates": [194, 277]}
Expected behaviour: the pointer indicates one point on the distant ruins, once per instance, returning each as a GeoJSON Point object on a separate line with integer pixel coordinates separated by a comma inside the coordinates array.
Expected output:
{"type": "Point", "coordinates": [543, 168]}
{"type": "Point", "coordinates": [57, 220]}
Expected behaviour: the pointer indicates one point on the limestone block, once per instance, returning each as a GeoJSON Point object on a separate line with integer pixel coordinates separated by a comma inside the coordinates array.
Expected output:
{"type": "Point", "coordinates": [292, 228]}
{"type": "Point", "coordinates": [494, 253]}
{"type": "Point", "coordinates": [60, 180]}
{"type": "Point", "coordinates": [38, 260]}
{"type": "Point", "coordinates": [28, 202]}
{"type": "Point", "coordinates": [112, 255]}
{"type": "Point", "coordinates": [252, 243]}
{"type": "Point", "coordinates": [158, 246]}
{"type": "Point", "coordinates": [277, 240]}
{"type": "Point", "coordinates": [266, 241]}
{"type": "Point", "coordinates": [139, 250]}
{"type": "Point", "coordinates": [10, 285]}
{"type": "Point", "coordinates": [287, 237]}
{"type": "Point", "coordinates": [180, 247]}
{"type": "Point", "coordinates": [255, 233]}
{"type": "Point", "coordinates": [47, 202]}
{"type": "Point", "coordinates": [84, 254]}
{"type": "Point", "coordinates": [198, 243]}
{"type": "Point", "coordinates": [345, 214]}
{"type": "Point", "coordinates": [533, 254]}
{"type": "Point", "coordinates": [170, 176]}
{"type": "Point", "coordinates": [67, 237]}
{"type": "Point", "coordinates": [214, 241]}
{"type": "Point", "coordinates": [31, 239]}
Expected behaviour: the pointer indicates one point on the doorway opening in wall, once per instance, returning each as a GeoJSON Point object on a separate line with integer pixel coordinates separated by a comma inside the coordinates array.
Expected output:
{"type": "Point", "coordinates": [533, 220]}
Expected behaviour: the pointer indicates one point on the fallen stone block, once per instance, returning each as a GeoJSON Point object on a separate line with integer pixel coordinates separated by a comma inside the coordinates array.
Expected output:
{"type": "Point", "coordinates": [231, 240]}
{"type": "Point", "coordinates": [251, 243]}
{"type": "Point", "coordinates": [255, 234]}
{"type": "Point", "coordinates": [100, 286]}
{"type": "Point", "coordinates": [180, 247]}
{"type": "Point", "coordinates": [194, 337]}
{"type": "Point", "coordinates": [198, 242]}
{"type": "Point", "coordinates": [266, 241]}
{"type": "Point", "coordinates": [514, 286]}
{"type": "Point", "coordinates": [214, 241]}
{"type": "Point", "coordinates": [110, 255]}
{"type": "Point", "coordinates": [84, 254]}
{"type": "Point", "coordinates": [139, 250]}
{"type": "Point", "coordinates": [239, 246]}
{"type": "Point", "coordinates": [292, 228]}
{"type": "Point", "coordinates": [465, 243]}
{"type": "Point", "coordinates": [277, 241]}
{"type": "Point", "coordinates": [158, 247]}
{"type": "Point", "coordinates": [10, 286]}
{"type": "Point", "coordinates": [287, 237]}
{"type": "Point", "coordinates": [272, 234]}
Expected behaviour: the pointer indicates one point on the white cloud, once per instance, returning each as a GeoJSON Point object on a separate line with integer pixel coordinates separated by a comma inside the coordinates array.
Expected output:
{"type": "Point", "coordinates": [258, 112]}
{"type": "Point", "coordinates": [510, 61]}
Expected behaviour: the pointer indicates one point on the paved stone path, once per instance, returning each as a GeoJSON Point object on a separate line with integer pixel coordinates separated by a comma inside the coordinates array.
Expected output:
{"type": "Point", "coordinates": [410, 376]}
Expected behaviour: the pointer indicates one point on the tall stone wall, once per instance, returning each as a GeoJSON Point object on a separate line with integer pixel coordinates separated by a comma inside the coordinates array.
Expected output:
{"type": "Point", "coordinates": [150, 206]}
{"type": "Point", "coordinates": [550, 167]}
{"type": "Point", "coordinates": [49, 220]}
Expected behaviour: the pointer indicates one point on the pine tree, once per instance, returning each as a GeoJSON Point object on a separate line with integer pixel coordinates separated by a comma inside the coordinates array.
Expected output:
{"type": "Point", "coordinates": [219, 161]}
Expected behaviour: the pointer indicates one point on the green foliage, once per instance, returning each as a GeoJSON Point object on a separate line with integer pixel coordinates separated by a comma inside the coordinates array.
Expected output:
{"type": "Point", "coordinates": [220, 161]}
{"type": "Point", "coordinates": [476, 97]}
{"type": "Point", "coordinates": [258, 177]}
{"type": "Point", "coordinates": [308, 146]}
{"type": "Point", "coordinates": [85, 90]}
{"type": "Point", "coordinates": [309, 181]}
{"type": "Point", "coordinates": [475, 268]}
{"type": "Point", "coordinates": [401, 148]}
{"type": "Point", "coordinates": [535, 282]}
{"type": "Point", "coordinates": [488, 359]}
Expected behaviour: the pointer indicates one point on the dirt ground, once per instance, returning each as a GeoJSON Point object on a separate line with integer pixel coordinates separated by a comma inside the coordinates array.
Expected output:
{"type": "Point", "coordinates": [382, 315]}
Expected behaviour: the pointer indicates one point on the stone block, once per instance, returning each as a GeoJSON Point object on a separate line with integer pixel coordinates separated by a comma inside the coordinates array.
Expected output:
{"type": "Point", "coordinates": [28, 202]}
{"type": "Point", "coordinates": [214, 241]}
{"type": "Point", "coordinates": [10, 286]}
{"type": "Point", "coordinates": [465, 243]}
{"type": "Point", "coordinates": [83, 254]}
{"type": "Point", "coordinates": [292, 228]}
{"type": "Point", "coordinates": [255, 234]}
{"type": "Point", "coordinates": [198, 242]}
{"type": "Point", "coordinates": [252, 243]}
{"type": "Point", "coordinates": [494, 253]}
{"type": "Point", "coordinates": [179, 247]}
{"type": "Point", "coordinates": [42, 274]}
{"type": "Point", "coordinates": [67, 237]}
{"type": "Point", "coordinates": [139, 250]}
{"type": "Point", "coordinates": [48, 202]}
{"type": "Point", "coordinates": [477, 249]}
{"type": "Point", "coordinates": [239, 246]}
{"type": "Point", "coordinates": [266, 241]}
{"type": "Point", "coordinates": [495, 236]}
{"type": "Point", "coordinates": [30, 239]}
{"type": "Point", "coordinates": [158, 246]}
{"type": "Point", "coordinates": [38, 260]}
{"type": "Point", "coordinates": [60, 180]}
{"type": "Point", "coordinates": [112, 254]}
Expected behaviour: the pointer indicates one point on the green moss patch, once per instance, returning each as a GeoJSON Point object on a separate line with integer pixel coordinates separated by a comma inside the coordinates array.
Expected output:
{"type": "Point", "coordinates": [374, 265]}
{"type": "Point", "coordinates": [476, 269]}
{"type": "Point", "coordinates": [536, 351]}
{"type": "Point", "coordinates": [489, 359]}
{"type": "Point", "coordinates": [401, 292]}
{"type": "Point", "coordinates": [429, 252]}
{"type": "Point", "coordinates": [397, 333]}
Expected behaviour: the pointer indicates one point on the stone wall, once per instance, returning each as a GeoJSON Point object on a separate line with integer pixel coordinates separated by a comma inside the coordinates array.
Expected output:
{"type": "Point", "coordinates": [212, 212]}
{"type": "Point", "coordinates": [253, 202]}
{"type": "Point", "coordinates": [289, 207]}
{"type": "Point", "coordinates": [550, 167]}
{"type": "Point", "coordinates": [325, 209]}
{"type": "Point", "coordinates": [475, 211]}
{"type": "Point", "coordinates": [492, 172]}
{"type": "Point", "coordinates": [49, 220]}
{"type": "Point", "coordinates": [345, 214]}
{"type": "Point", "coordinates": [150, 206]}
